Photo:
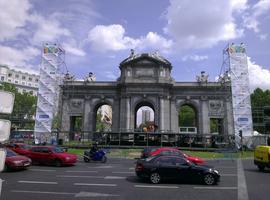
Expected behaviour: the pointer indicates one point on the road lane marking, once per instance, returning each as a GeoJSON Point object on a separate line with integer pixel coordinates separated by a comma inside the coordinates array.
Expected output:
{"type": "Point", "coordinates": [114, 177]}
{"type": "Point", "coordinates": [215, 188]}
{"type": "Point", "coordinates": [93, 194]}
{"type": "Point", "coordinates": [43, 170]}
{"type": "Point", "coordinates": [156, 186]}
{"type": "Point", "coordinates": [228, 175]}
{"type": "Point", "coordinates": [96, 184]}
{"type": "Point", "coordinates": [71, 176]}
{"type": "Point", "coordinates": [241, 182]}
{"type": "Point", "coordinates": [123, 172]}
{"type": "Point", "coordinates": [38, 182]}
{"type": "Point", "coordinates": [81, 171]}
{"type": "Point", "coordinates": [42, 192]}
{"type": "Point", "coordinates": [102, 167]}
{"type": "Point", "coordinates": [131, 168]}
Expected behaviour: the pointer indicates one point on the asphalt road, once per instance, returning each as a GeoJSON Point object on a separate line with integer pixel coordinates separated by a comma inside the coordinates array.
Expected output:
{"type": "Point", "coordinates": [116, 180]}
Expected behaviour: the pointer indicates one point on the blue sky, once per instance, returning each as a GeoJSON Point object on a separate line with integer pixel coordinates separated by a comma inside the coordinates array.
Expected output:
{"type": "Point", "coordinates": [98, 34]}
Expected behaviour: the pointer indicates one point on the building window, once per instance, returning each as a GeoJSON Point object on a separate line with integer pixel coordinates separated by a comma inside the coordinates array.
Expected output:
{"type": "Point", "coordinates": [36, 80]}
{"type": "Point", "coordinates": [2, 78]}
{"type": "Point", "coordinates": [23, 77]}
{"type": "Point", "coordinates": [10, 74]}
{"type": "Point", "coordinates": [30, 79]}
{"type": "Point", "coordinates": [16, 82]}
{"type": "Point", "coordinates": [23, 83]}
{"type": "Point", "coordinates": [31, 92]}
{"type": "Point", "coordinates": [29, 84]}
{"type": "Point", "coordinates": [16, 76]}
{"type": "Point", "coordinates": [9, 80]}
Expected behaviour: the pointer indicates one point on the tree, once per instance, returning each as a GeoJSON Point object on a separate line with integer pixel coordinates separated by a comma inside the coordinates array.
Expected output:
{"type": "Point", "coordinates": [260, 98]}
{"type": "Point", "coordinates": [187, 116]}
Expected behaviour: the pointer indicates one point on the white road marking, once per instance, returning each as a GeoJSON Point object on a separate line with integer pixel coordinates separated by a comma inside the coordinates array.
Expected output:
{"type": "Point", "coordinates": [215, 188]}
{"type": "Point", "coordinates": [114, 177]}
{"type": "Point", "coordinates": [131, 168]}
{"type": "Point", "coordinates": [156, 186]}
{"type": "Point", "coordinates": [241, 182]}
{"type": "Point", "coordinates": [70, 176]}
{"type": "Point", "coordinates": [81, 171]}
{"type": "Point", "coordinates": [228, 175]}
{"type": "Point", "coordinates": [42, 192]}
{"type": "Point", "coordinates": [43, 170]}
{"type": "Point", "coordinates": [38, 182]}
{"type": "Point", "coordinates": [93, 194]}
{"type": "Point", "coordinates": [96, 184]}
{"type": "Point", "coordinates": [123, 172]}
{"type": "Point", "coordinates": [102, 167]}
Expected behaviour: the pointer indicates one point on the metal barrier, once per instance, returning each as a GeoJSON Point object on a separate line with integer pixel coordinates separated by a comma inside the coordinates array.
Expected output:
{"type": "Point", "coordinates": [147, 139]}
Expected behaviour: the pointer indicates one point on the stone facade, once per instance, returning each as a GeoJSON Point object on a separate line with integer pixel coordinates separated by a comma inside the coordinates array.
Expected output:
{"type": "Point", "coordinates": [146, 80]}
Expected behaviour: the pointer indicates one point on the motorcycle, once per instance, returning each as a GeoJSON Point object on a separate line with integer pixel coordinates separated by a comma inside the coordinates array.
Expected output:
{"type": "Point", "coordinates": [99, 155]}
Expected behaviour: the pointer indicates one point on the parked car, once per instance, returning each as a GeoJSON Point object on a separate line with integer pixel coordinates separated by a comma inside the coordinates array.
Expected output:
{"type": "Point", "coordinates": [15, 162]}
{"type": "Point", "coordinates": [19, 148]}
{"type": "Point", "coordinates": [148, 152]}
{"type": "Point", "coordinates": [162, 167]}
{"type": "Point", "coordinates": [51, 155]}
{"type": "Point", "coordinates": [262, 157]}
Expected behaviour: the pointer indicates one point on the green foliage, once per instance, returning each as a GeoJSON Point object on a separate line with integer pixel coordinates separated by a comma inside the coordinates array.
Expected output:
{"type": "Point", "coordinates": [187, 116]}
{"type": "Point", "coordinates": [260, 98]}
{"type": "Point", "coordinates": [100, 126]}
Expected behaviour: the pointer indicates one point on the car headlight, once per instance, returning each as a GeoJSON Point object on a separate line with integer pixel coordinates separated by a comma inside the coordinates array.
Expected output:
{"type": "Point", "coordinates": [67, 158]}
{"type": "Point", "coordinates": [17, 162]}
{"type": "Point", "coordinates": [216, 171]}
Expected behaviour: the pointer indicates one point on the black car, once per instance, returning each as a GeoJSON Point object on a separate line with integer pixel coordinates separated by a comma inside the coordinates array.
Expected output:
{"type": "Point", "coordinates": [163, 167]}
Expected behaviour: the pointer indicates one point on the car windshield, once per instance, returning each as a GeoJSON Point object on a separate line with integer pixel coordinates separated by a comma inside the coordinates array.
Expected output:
{"type": "Point", "coordinates": [57, 150]}
{"type": "Point", "coordinates": [10, 153]}
{"type": "Point", "coordinates": [25, 147]}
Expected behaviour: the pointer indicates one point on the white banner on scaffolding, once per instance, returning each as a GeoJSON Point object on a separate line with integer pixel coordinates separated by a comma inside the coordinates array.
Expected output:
{"type": "Point", "coordinates": [240, 90]}
{"type": "Point", "coordinates": [48, 93]}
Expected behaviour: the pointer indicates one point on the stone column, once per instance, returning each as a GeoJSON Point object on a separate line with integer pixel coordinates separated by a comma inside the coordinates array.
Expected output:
{"type": "Point", "coordinates": [65, 118]}
{"type": "Point", "coordinates": [161, 114]}
{"type": "Point", "coordinates": [204, 116]}
{"type": "Point", "coordinates": [128, 113]}
{"type": "Point", "coordinates": [174, 116]}
{"type": "Point", "coordinates": [228, 116]}
{"type": "Point", "coordinates": [86, 117]}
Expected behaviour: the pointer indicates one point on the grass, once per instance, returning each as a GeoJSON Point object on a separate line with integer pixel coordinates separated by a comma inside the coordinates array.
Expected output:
{"type": "Point", "coordinates": [135, 153]}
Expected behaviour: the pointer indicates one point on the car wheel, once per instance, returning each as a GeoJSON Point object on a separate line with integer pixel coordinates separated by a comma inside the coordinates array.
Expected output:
{"type": "Point", "coordinates": [209, 179]}
{"type": "Point", "coordinates": [104, 159]}
{"type": "Point", "coordinates": [58, 163]}
{"type": "Point", "coordinates": [261, 168]}
{"type": "Point", "coordinates": [155, 178]}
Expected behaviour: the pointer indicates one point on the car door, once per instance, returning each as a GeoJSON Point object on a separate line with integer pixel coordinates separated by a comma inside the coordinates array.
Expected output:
{"type": "Point", "coordinates": [166, 167]}
{"type": "Point", "coordinates": [47, 157]}
{"type": "Point", "coordinates": [184, 170]}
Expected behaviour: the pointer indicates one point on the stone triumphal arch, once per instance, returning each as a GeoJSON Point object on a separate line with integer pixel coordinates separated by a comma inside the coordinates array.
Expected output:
{"type": "Point", "coordinates": [146, 80]}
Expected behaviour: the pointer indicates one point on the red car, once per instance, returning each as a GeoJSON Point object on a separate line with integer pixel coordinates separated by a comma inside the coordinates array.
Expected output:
{"type": "Point", "coordinates": [15, 162]}
{"type": "Point", "coordinates": [51, 155]}
{"type": "Point", "coordinates": [148, 152]}
{"type": "Point", "coordinates": [19, 148]}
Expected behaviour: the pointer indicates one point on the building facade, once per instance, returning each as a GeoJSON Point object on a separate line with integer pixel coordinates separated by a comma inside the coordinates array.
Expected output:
{"type": "Point", "coordinates": [146, 80]}
{"type": "Point", "coordinates": [23, 81]}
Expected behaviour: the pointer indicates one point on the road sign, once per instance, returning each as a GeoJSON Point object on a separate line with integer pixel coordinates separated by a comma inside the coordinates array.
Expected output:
{"type": "Point", "coordinates": [7, 101]}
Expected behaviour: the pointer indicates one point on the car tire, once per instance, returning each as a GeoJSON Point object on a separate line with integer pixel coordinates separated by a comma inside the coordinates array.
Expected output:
{"type": "Point", "coordinates": [58, 163]}
{"type": "Point", "coordinates": [155, 178]}
{"type": "Point", "coordinates": [209, 179]}
{"type": "Point", "coordinates": [261, 168]}
{"type": "Point", "coordinates": [104, 159]}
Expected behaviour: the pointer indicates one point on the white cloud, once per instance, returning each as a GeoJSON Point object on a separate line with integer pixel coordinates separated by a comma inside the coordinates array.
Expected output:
{"type": "Point", "coordinates": [113, 38]}
{"type": "Point", "coordinates": [70, 48]}
{"type": "Point", "coordinates": [200, 24]}
{"type": "Point", "coordinates": [18, 57]}
{"type": "Point", "coordinates": [251, 20]}
{"type": "Point", "coordinates": [13, 16]}
{"type": "Point", "coordinates": [48, 29]}
{"type": "Point", "coordinates": [258, 76]}
{"type": "Point", "coordinates": [195, 57]}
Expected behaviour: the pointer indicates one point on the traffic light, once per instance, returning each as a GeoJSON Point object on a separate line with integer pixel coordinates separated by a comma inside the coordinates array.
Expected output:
{"type": "Point", "coordinates": [240, 133]}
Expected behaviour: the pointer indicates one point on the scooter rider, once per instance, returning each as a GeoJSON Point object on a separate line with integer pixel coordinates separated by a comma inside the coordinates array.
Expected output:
{"type": "Point", "coordinates": [93, 149]}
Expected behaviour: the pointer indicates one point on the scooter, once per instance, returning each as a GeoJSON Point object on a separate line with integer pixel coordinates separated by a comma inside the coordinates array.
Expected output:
{"type": "Point", "coordinates": [99, 155]}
